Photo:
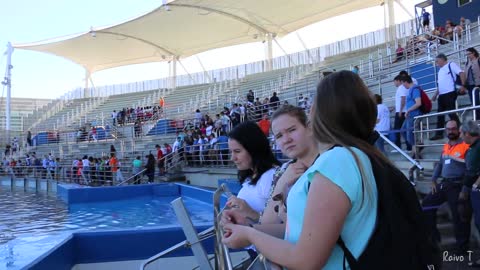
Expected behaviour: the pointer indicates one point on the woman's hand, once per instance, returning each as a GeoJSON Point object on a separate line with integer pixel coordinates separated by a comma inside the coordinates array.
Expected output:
{"type": "Point", "coordinates": [238, 211]}
{"type": "Point", "coordinates": [236, 236]}
{"type": "Point", "coordinates": [291, 174]}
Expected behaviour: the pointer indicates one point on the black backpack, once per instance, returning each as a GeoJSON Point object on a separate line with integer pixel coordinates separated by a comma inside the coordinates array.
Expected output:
{"type": "Point", "coordinates": [401, 239]}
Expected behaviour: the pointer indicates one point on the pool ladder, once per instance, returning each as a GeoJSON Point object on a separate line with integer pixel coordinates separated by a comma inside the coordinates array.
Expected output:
{"type": "Point", "coordinates": [222, 257]}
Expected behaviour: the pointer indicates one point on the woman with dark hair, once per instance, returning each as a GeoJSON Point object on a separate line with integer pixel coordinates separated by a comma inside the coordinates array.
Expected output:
{"type": "Point", "coordinates": [253, 157]}
{"type": "Point", "coordinates": [337, 195]}
{"type": "Point", "coordinates": [472, 69]}
{"type": "Point", "coordinates": [112, 149]}
{"type": "Point", "coordinates": [150, 167]}
{"type": "Point", "coordinates": [294, 137]}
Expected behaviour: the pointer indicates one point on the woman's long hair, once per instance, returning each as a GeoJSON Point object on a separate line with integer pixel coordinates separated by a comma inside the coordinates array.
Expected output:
{"type": "Point", "coordinates": [344, 113]}
{"type": "Point", "coordinates": [251, 137]}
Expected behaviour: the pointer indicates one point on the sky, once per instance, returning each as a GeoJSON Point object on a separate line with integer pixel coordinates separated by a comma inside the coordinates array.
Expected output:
{"type": "Point", "coordinates": [40, 75]}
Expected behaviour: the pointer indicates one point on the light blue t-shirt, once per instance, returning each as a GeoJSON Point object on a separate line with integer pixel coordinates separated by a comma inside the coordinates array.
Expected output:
{"type": "Point", "coordinates": [340, 167]}
{"type": "Point", "coordinates": [413, 93]}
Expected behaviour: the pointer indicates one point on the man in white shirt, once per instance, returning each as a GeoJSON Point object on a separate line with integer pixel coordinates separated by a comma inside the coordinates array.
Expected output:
{"type": "Point", "coordinates": [400, 101]}
{"type": "Point", "coordinates": [383, 122]}
{"type": "Point", "coordinates": [446, 91]}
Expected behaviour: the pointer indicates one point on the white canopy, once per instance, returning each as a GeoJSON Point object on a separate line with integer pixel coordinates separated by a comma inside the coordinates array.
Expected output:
{"type": "Point", "coordinates": [186, 27]}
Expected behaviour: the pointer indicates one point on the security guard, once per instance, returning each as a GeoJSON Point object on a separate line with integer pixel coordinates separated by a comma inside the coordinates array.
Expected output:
{"type": "Point", "coordinates": [452, 169]}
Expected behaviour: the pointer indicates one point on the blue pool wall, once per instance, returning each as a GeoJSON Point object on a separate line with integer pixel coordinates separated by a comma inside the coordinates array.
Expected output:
{"type": "Point", "coordinates": [120, 245]}
{"type": "Point", "coordinates": [73, 193]}
{"type": "Point", "coordinates": [107, 246]}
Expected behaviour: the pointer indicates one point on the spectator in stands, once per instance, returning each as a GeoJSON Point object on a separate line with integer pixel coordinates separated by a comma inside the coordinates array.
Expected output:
{"type": "Point", "coordinates": [137, 168]}
{"type": "Point", "coordinates": [7, 149]}
{"type": "Point", "coordinates": [160, 160]}
{"type": "Point", "coordinates": [113, 163]}
{"type": "Point", "coordinates": [29, 138]}
{"type": "Point", "coordinates": [446, 92]}
{"type": "Point", "coordinates": [400, 102]}
{"type": "Point", "coordinates": [265, 106]}
{"type": "Point", "coordinates": [222, 144]}
{"type": "Point", "coordinates": [250, 96]}
{"type": "Point", "coordinates": [404, 73]}
{"type": "Point", "coordinates": [425, 20]}
{"type": "Point", "coordinates": [356, 69]}
{"type": "Point", "coordinates": [137, 127]}
{"type": "Point", "coordinates": [258, 108]}
{"type": "Point", "coordinates": [85, 169]}
{"type": "Point", "coordinates": [197, 119]}
{"type": "Point", "coordinates": [168, 148]}
{"type": "Point", "coordinates": [383, 122]}
{"type": "Point", "coordinates": [242, 112]}
{"type": "Point", "coordinates": [413, 103]}
{"type": "Point", "coordinates": [449, 30]}
{"type": "Point", "coordinates": [451, 168]}
{"type": "Point", "coordinates": [400, 52]}
{"type": "Point", "coordinates": [150, 168]}
{"type": "Point", "coordinates": [337, 195]}
{"type": "Point", "coordinates": [264, 125]}
{"type": "Point", "coordinates": [470, 133]}
{"type": "Point", "coordinates": [225, 122]}
{"type": "Point", "coordinates": [274, 102]}
{"type": "Point", "coordinates": [472, 70]}
{"type": "Point", "coordinates": [94, 134]}
{"type": "Point", "coordinates": [464, 22]}
{"type": "Point", "coordinates": [300, 101]}
{"type": "Point", "coordinates": [114, 117]}
{"type": "Point", "coordinates": [107, 131]}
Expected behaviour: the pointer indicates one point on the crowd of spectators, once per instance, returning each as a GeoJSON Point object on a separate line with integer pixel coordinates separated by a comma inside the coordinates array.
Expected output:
{"type": "Point", "coordinates": [131, 115]}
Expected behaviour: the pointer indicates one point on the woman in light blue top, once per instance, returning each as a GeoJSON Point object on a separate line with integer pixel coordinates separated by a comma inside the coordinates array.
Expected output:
{"type": "Point", "coordinates": [337, 195]}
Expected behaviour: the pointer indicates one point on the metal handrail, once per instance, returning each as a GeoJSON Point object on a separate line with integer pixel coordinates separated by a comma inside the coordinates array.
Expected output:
{"type": "Point", "coordinates": [418, 118]}
{"type": "Point", "coordinates": [414, 162]}
{"type": "Point", "coordinates": [131, 177]}
{"type": "Point", "coordinates": [441, 38]}
{"type": "Point", "coordinates": [202, 235]}
{"type": "Point", "coordinates": [222, 254]}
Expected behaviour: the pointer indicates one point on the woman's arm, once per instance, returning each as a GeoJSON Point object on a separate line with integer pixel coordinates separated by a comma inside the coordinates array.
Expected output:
{"type": "Point", "coordinates": [288, 178]}
{"type": "Point", "coordinates": [325, 214]}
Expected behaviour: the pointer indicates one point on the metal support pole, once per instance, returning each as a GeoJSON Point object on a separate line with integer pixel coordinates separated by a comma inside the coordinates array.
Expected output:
{"type": "Point", "coordinates": [8, 82]}
{"type": "Point", "coordinates": [86, 93]}
{"type": "Point", "coordinates": [173, 73]}
{"type": "Point", "coordinates": [269, 51]}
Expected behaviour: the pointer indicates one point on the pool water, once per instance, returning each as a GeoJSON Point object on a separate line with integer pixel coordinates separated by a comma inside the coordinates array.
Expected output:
{"type": "Point", "coordinates": [31, 223]}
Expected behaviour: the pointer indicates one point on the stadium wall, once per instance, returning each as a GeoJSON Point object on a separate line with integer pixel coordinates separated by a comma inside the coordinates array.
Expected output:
{"type": "Point", "coordinates": [451, 10]}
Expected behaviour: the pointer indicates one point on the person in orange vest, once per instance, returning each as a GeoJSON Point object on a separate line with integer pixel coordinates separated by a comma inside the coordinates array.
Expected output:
{"type": "Point", "coordinates": [452, 169]}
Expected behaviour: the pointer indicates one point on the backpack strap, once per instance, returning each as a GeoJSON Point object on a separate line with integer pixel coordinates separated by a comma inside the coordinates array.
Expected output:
{"type": "Point", "coordinates": [453, 76]}
{"type": "Point", "coordinates": [347, 255]}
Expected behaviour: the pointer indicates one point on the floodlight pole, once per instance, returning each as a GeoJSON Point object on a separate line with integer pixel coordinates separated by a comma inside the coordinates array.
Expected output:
{"type": "Point", "coordinates": [269, 52]}
{"type": "Point", "coordinates": [8, 82]}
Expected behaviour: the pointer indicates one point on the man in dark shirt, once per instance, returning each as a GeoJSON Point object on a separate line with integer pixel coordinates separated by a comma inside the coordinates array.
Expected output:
{"type": "Point", "coordinates": [451, 168]}
{"type": "Point", "coordinates": [274, 101]}
{"type": "Point", "coordinates": [250, 96]}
